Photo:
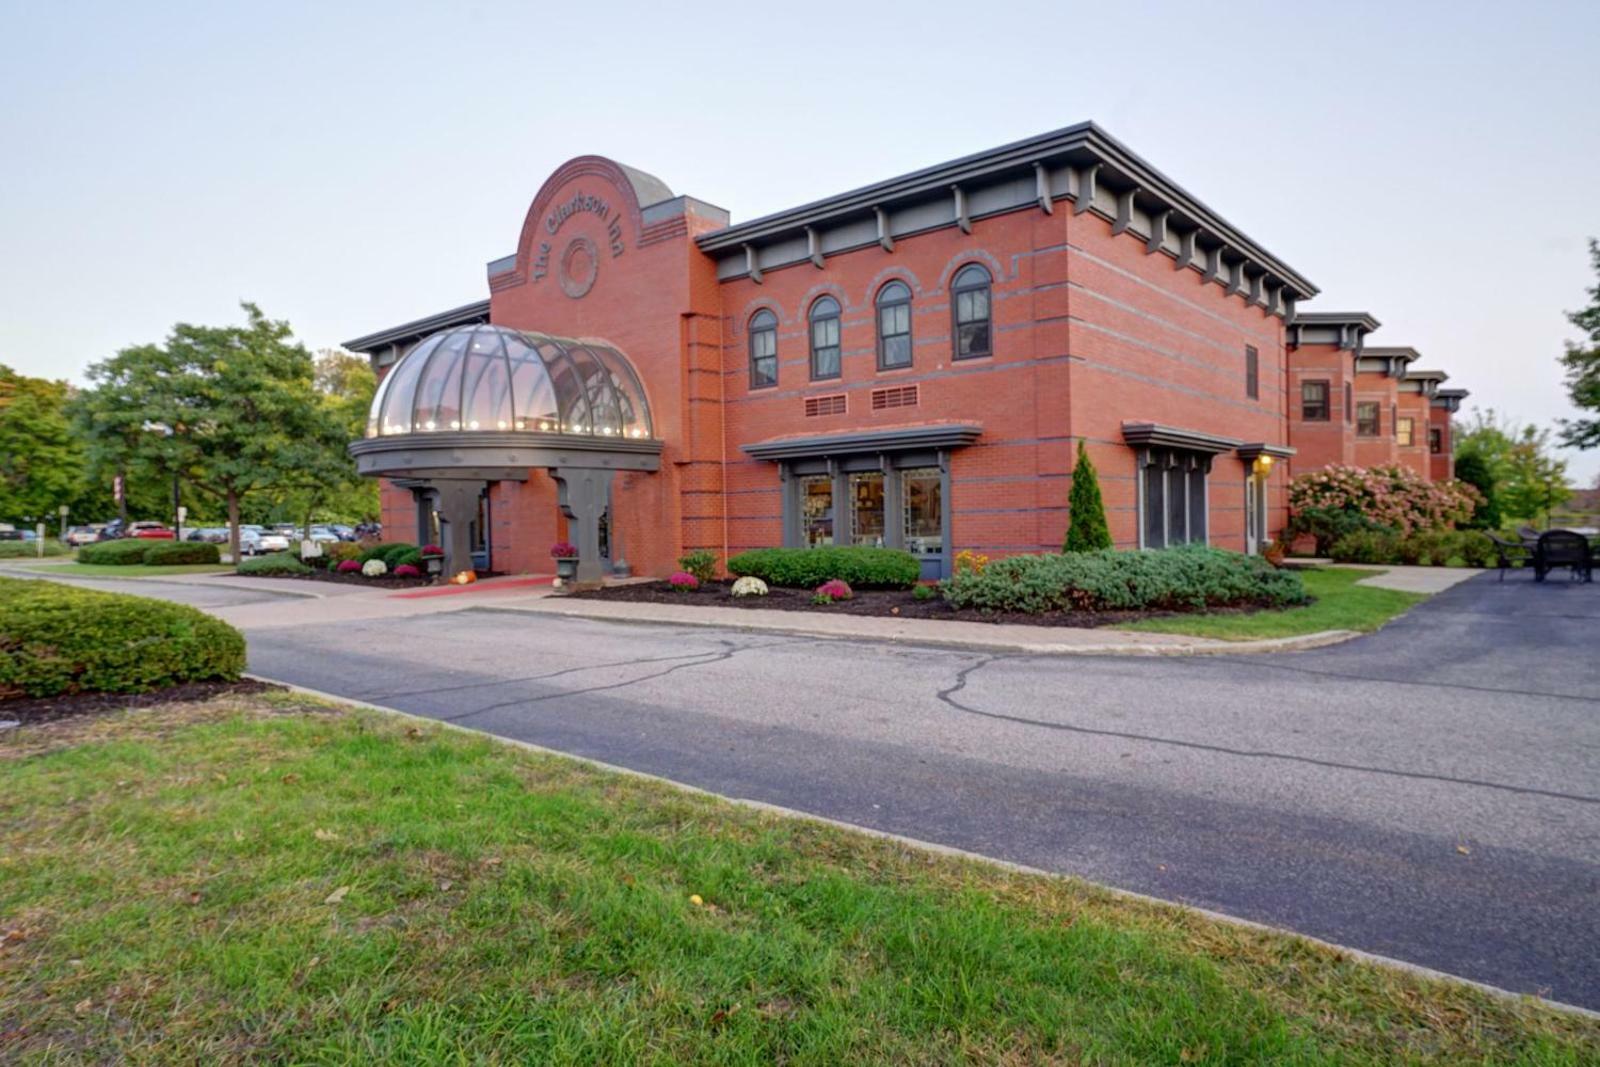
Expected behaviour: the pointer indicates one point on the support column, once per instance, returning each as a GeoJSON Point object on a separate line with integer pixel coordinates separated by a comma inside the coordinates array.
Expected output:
{"type": "Point", "coordinates": [458, 506]}
{"type": "Point", "coordinates": [584, 493]}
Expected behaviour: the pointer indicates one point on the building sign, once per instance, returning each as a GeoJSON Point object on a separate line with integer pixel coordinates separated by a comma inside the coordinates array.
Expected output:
{"type": "Point", "coordinates": [580, 260]}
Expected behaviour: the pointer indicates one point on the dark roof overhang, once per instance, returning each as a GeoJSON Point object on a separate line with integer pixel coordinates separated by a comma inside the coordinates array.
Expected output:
{"type": "Point", "coordinates": [1251, 451]}
{"type": "Point", "coordinates": [1155, 435]}
{"type": "Point", "coordinates": [898, 439]}
{"type": "Point", "coordinates": [497, 456]}
{"type": "Point", "coordinates": [415, 330]}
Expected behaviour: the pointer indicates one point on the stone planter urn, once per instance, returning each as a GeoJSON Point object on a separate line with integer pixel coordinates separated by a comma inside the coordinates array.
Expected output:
{"type": "Point", "coordinates": [565, 553]}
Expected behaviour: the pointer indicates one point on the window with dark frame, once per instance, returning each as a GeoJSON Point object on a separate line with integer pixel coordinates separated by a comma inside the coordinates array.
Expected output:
{"type": "Point", "coordinates": [1314, 401]}
{"type": "Point", "coordinates": [1252, 372]}
{"type": "Point", "coordinates": [894, 326]}
{"type": "Point", "coordinates": [1172, 497]}
{"type": "Point", "coordinates": [1349, 402]}
{"type": "Point", "coordinates": [969, 304]}
{"type": "Point", "coordinates": [1435, 441]}
{"type": "Point", "coordinates": [1367, 419]}
{"type": "Point", "coordinates": [1405, 431]}
{"type": "Point", "coordinates": [825, 339]}
{"type": "Point", "coordinates": [1394, 419]}
{"type": "Point", "coordinates": [763, 350]}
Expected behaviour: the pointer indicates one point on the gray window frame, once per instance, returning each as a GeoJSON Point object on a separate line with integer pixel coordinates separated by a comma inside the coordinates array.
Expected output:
{"type": "Point", "coordinates": [878, 305]}
{"type": "Point", "coordinates": [889, 464]}
{"type": "Point", "coordinates": [1252, 372]}
{"type": "Point", "coordinates": [1377, 418]}
{"type": "Point", "coordinates": [813, 317]}
{"type": "Point", "coordinates": [1327, 401]}
{"type": "Point", "coordinates": [759, 323]}
{"type": "Point", "coordinates": [1349, 403]}
{"type": "Point", "coordinates": [957, 287]}
{"type": "Point", "coordinates": [1158, 521]}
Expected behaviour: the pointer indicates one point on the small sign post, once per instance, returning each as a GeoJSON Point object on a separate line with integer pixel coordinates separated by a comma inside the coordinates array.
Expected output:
{"type": "Point", "coordinates": [63, 509]}
{"type": "Point", "coordinates": [38, 531]}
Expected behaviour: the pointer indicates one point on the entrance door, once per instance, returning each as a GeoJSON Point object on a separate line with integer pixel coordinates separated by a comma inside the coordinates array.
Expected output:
{"type": "Point", "coordinates": [922, 508]}
{"type": "Point", "coordinates": [479, 535]}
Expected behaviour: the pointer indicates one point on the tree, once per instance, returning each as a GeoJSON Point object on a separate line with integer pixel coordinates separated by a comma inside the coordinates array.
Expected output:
{"type": "Point", "coordinates": [232, 410]}
{"type": "Point", "coordinates": [1582, 363]}
{"type": "Point", "coordinates": [41, 466]}
{"type": "Point", "coordinates": [1528, 479]}
{"type": "Point", "coordinates": [1473, 469]}
{"type": "Point", "coordinates": [1087, 530]}
{"type": "Point", "coordinates": [328, 482]}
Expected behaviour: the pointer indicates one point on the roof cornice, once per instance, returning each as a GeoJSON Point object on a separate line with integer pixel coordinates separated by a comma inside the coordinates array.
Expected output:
{"type": "Point", "coordinates": [417, 329]}
{"type": "Point", "coordinates": [893, 439]}
{"type": "Point", "coordinates": [1095, 159]}
{"type": "Point", "coordinates": [1154, 434]}
{"type": "Point", "coordinates": [1345, 330]}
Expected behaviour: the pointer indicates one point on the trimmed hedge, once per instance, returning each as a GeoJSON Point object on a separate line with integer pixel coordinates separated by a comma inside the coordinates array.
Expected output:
{"type": "Point", "coordinates": [30, 549]}
{"type": "Point", "coordinates": [393, 554]}
{"type": "Point", "coordinates": [272, 564]}
{"type": "Point", "coordinates": [57, 639]}
{"type": "Point", "coordinates": [127, 552]}
{"type": "Point", "coordinates": [1190, 578]}
{"type": "Point", "coordinates": [179, 553]}
{"type": "Point", "coordinates": [807, 568]}
{"type": "Point", "coordinates": [1426, 548]}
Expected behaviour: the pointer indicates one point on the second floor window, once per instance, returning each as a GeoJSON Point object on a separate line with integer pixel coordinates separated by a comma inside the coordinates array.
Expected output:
{"type": "Point", "coordinates": [1367, 419]}
{"type": "Point", "coordinates": [894, 326]}
{"type": "Point", "coordinates": [1435, 441]}
{"type": "Point", "coordinates": [1349, 401]}
{"type": "Point", "coordinates": [763, 350]}
{"type": "Point", "coordinates": [969, 300]}
{"type": "Point", "coordinates": [1404, 431]}
{"type": "Point", "coordinates": [1252, 372]}
{"type": "Point", "coordinates": [1314, 401]}
{"type": "Point", "coordinates": [825, 339]}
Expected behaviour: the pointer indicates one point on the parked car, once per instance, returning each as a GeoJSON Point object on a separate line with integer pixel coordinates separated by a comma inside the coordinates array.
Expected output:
{"type": "Point", "coordinates": [151, 531]}
{"type": "Point", "coordinates": [84, 535]}
{"type": "Point", "coordinates": [213, 535]}
{"type": "Point", "coordinates": [9, 532]}
{"type": "Point", "coordinates": [323, 535]}
{"type": "Point", "coordinates": [261, 539]}
{"type": "Point", "coordinates": [344, 532]}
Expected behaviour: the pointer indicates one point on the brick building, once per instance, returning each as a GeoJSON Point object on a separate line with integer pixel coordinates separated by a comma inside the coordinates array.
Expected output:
{"type": "Point", "coordinates": [908, 364]}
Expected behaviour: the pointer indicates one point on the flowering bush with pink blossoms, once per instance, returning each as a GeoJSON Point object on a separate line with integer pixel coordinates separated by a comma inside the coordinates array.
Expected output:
{"type": "Point", "coordinates": [407, 570]}
{"type": "Point", "coordinates": [1339, 500]}
{"type": "Point", "coordinates": [683, 581]}
{"type": "Point", "coordinates": [832, 590]}
{"type": "Point", "coordinates": [348, 566]}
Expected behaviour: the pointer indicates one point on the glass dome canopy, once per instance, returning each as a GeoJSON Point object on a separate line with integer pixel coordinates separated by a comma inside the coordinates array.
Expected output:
{"type": "Point", "coordinates": [496, 379]}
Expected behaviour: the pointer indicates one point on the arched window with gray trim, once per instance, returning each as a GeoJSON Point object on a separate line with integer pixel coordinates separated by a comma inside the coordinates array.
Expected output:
{"type": "Point", "coordinates": [970, 309]}
{"type": "Point", "coordinates": [763, 349]}
{"type": "Point", "coordinates": [824, 320]}
{"type": "Point", "coordinates": [894, 326]}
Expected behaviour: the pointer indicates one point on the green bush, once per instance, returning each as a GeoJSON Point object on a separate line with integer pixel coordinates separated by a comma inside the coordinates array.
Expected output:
{"type": "Point", "coordinates": [924, 592]}
{"type": "Point", "coordinates": [1425, 548]}
{"type": "Point", "coordinates": [702, 563]}
{"type": "Point", "coordinates": [178, 553]}
{"type": "Point", "coordinates": [1176, 579]}
{"type": "Point", "coordinates": [127, 552]}
{"type": "Point", "coordinates": [337, 552]}
{"type": "Point", "coordinates": [807, 568]}
{"type": "Point", "coordinates": [30, 549]}
{"type": "Point", "coordinates": [393, 553]}
{"type": "Point", "coordinates": [1366, 546]}
{"type": "Point", "coordinates": [58, 639]}
{"type": "Point", "coordinates": [1086, 530]}
{"type": "Point", "coordinates": [1326, 525]}
{"type": "Point", "coordinates": [273, 564]}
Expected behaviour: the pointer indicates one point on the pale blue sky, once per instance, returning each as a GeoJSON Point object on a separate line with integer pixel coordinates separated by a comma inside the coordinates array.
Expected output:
{"type": "Point", "coordinates": [349, 166]}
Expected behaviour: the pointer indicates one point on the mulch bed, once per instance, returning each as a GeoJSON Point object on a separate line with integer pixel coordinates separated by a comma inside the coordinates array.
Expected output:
{"type": "Point", "coordinates": [31, 711]}
{"type": "Point", "coordinates": [388, 581]}
{"type": "Point", "coordinates": [894, 603]}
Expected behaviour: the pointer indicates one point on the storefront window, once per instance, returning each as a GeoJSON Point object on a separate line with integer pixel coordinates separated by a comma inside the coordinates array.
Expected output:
{"type": "Point", "coordinates": [816, 510]}
{"type": "Point", "coordinates": [924, 511]}
{"type": "Point", "coordinates": [866, 500]}
{"type": "Point", "coordinates": [1173, 498]}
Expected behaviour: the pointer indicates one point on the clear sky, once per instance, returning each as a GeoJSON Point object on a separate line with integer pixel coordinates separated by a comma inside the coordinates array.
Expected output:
{"type": "Point", "coordinates": [349, 166]}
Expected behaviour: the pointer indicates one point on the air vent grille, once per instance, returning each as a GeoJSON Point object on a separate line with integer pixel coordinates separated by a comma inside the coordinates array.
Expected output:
{"type": "Point", "coordinates": [900, 396]}
{"type": "Point", "coordinates": [832, 404]}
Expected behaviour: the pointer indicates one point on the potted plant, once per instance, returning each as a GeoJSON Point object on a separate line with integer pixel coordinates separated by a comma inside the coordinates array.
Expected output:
{"type": "Point", "coordinates": [432, 559]}
{"type": "Point", "coordinates": [566, 556]}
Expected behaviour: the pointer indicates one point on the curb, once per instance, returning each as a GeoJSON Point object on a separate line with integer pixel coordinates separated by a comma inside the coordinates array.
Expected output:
{"type": "Point", "coordinates": [1209, 647]}
{"type": "Point", "coordinates": [935, 848]}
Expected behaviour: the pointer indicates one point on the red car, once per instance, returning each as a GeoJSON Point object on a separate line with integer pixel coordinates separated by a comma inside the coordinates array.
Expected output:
{"type": "Point", "coordinates": [151, 530]}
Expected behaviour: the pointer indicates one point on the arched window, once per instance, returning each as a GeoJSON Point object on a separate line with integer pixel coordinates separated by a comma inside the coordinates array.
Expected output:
{"type": "Point", "coordinates": [894, 326]}
{"type": "Point", "coordinates": [969, 302]}
{"type": "Point", "coordinates": [825, 339]}
{"type": "Point", "coordinates": [763, 350]}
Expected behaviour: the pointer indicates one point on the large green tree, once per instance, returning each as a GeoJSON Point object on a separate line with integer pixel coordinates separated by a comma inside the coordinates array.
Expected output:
{"type": "Point", "coordinates": [329, 487]}
{"type": "Point", "coordinates": [41, 466]}
{"type": "Point", "coordinates": [1582, 363]}
{"type": "Point", "coordinates": [232, 410]}
{"type": "Point", "coordinates": [1528, 479]}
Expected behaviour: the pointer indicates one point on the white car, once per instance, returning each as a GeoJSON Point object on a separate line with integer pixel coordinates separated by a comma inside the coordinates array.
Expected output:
{"type": "Point", "coordinates": [254, 540]}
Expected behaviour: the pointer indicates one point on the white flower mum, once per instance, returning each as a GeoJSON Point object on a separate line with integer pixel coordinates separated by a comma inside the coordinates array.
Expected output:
{"type": "Point", "coordinates": [374, 568]}
{"type": "Point", "coordinates": [749, 585]}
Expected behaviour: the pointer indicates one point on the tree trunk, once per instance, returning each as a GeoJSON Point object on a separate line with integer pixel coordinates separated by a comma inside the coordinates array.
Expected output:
{"type": "Point", "coordinates": [122, 503]}
{"type": "Point", "coordinates": [233, 527]}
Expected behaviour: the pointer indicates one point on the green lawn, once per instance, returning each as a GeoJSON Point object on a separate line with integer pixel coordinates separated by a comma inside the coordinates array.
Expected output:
{"type": "Point", "coordinates": [135, 570]}
{"type": "Point", "coordinates": [1341, 604]}
{"type": "Point", "coordinates": [269, 879]}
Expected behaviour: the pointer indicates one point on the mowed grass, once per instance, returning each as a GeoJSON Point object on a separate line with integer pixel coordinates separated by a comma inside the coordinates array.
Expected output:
{"type": "Point", "coordinates": [133, 570]}
{"type": "Point", "coordinates": [1340, 604]}
{"type": "Point", "coordinates": [266, 879]}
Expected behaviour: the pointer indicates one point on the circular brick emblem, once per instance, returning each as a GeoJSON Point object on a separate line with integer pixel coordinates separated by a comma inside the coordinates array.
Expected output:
{"type": "Point", "coordinates": [580, 263]}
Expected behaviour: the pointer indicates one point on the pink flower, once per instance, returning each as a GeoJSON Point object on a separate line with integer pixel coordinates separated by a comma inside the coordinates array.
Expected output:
{"type": "Point", "coordinates": [683, 581]}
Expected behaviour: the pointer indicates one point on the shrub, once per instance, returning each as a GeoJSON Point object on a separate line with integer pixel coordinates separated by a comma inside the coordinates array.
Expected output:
{"type": "Point", "coordinates": [274, 564]}
{"type": "Point", "coordinates": [374, 568]}
{"type": "Point", "coordinates": [749, 585]}
{"type": "Point", "coordinates": [30, 549]}
{"type": "Point", "coordinates": [392, 554]}
{"type": "Point", "coordinates": [683, 581]}
{"type": "Point", "coordinates": [124, 553]}
{"type": "Point", "coordinates": [1367, 546]}
{"type": "Point", "coordinates": [807, 568]}
{"type": "Point", "coordinates": [563, 550]}
{"type": "Point", "coordinates": [830, 591]}
{"type": "Point", "coordinates": [1086, 530]}
{"type": "Point", "coordinates": [339, 552]}
{"type": "Point", "coordinates": [968, 560]}
{"type": "Point", "coordinates": [432, 550]}
{"type": "Point", "coordinates": [348, 566]}
{"type": "Point", "coordinates": [1326, 525]}
{"type": "Point", "coordinates": [58, 639]}
{"type": "Point", "coordinates": [702, 563]}
{"type": "Point", "coordinates": [1426, 548]}
{"type": "Point", "coordinates": [1189, 578]}
{"type": "Point", "coordinates": [924, 592]}
{"type": "Point", "coordinates": [179, 553]}
{"type": "Point", "coordinates": [1394, 497]}
{"type": "Point", "coordinates": [407, 570]}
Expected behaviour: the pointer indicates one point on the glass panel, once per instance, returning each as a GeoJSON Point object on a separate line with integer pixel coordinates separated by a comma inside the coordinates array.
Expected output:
{"type": "Point", "coordinates": [605, 414]}
{"type": "Point", "coordinates": [1197, 505]}
{"type": "Point", "coordinates": [1155, 513]}
{"type": "Point", "coordinates": [892, 292]}
{"type": "Point", "coordinates": [534, 396]}
{"type": "Point", "coordinates": [973, 339]}
{"type": "Point", "coordinates": [825, 345]}
{"type": "Point", "coordinates": [923, 494]}
{"type": "Point", "coordinates": [402, 379]}
{"type": "Point", "coordinates": [764, 358]}
{"type": "Point", "coordinates": [485, 385]}
{"type": "Point", "coordinates": [1177, 507]}
{"type": "Point", "coordinates": [897, 351]}
{"type": "Point", "coordinates": [572, 397]}
{"type": "Point", "coordinates": [436, 404]}
{"type": "Point", "coordinates": [972, 274]}
{"type": "Point", "coordinates": [866, 501]}
{"type": "Point", "coordinates": [816, 510]}
{"type": "Point", "coordinates": [1367, 419]}
{"type": "Point", "coordinates": [1405, 430]}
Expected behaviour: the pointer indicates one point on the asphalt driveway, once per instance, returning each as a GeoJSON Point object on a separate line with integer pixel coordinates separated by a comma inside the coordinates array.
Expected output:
{"type": "Point", "coordinates": [1431, 792]}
